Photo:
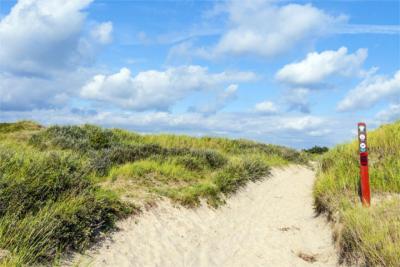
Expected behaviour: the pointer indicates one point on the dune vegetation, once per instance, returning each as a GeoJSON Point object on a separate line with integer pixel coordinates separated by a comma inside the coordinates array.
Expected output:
{"type": "Point", "coordinates": [62, 186]}
{"type": "Point", "coordinates": [367, 236]}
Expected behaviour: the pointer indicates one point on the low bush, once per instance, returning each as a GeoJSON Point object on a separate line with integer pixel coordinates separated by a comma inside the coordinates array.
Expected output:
{"type": "Point", "coordinates": [81, 139]}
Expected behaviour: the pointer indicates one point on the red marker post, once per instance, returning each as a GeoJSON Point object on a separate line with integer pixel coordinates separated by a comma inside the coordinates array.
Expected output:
{"type": "Point", "coordinates": [362, 138]}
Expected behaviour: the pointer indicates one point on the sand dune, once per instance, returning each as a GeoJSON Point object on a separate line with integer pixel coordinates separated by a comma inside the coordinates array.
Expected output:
{"type": "Point", "coordinates": [269, 223]}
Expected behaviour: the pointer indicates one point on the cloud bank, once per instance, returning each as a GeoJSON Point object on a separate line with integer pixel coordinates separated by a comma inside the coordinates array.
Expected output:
{"type": "Point", "coordinates": [157, 90]}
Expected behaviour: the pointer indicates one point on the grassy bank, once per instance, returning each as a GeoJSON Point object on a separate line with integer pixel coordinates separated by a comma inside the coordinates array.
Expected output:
{"type": "Point", "coordinates": [366, 236]}
{"type": "Point", "coordinates": [60, 187]}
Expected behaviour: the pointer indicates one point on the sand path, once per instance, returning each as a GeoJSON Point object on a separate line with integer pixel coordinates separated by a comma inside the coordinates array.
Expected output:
{"type": "Point", "coordinates": [267, 223]}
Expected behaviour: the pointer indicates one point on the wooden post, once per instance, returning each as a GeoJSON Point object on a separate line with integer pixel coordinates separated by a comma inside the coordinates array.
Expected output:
{"type": "Point", "coordinates": [364, 175]}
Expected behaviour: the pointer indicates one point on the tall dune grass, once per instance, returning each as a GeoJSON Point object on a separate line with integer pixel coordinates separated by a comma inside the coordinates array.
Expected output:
{"type": "Point", "coordinates": [367, 236]}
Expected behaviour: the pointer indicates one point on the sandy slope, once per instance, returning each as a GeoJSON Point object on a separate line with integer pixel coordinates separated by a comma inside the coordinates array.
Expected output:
{"type": "Point", "coordinates": [266, 224]}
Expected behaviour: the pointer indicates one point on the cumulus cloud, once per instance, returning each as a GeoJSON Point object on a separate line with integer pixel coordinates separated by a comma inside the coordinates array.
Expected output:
{"type": "Point", "coordinates": [45, 49]}
{"type": "Point", "coordinates": [221, 101]}
{"type": "Point", "coordinates": [266, 107]}
{"type": "Point", "coordinates": [315, 71]}
{"type": "Point", "coordinates": [370, 91]}
{"type": "Point", "coordinates": [317, 67]}
{"type": "Point", "coordinates": [265, 28]}
{"type": "Point", "coordinates": [156, 90]}
{"type": "Point", "coordinates": [42, 35]}
{"type": "Point", "coordinates": [261, 28]}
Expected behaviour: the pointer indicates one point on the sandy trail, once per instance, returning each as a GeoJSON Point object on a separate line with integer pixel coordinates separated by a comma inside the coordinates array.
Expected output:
{"type": "Point", "coordinates": [266, 224]}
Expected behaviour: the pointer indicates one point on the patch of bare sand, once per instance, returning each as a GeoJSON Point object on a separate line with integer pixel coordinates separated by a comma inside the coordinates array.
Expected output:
{"type": "Point", "coordinates": [268, 223]}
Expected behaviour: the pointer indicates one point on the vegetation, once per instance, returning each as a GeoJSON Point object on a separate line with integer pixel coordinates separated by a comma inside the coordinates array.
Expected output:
{"type": "Point", "coordinates": [60, 187]}
{"type": "Point", "coordinates": [369, 236]}
{"type": "Point", "coordinates": [317, 150]}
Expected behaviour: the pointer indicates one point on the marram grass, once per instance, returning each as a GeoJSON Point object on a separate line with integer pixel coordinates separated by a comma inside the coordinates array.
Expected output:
{"type": "Point", "coordinates": [368, 236]}
{"type": "Point", "coordinates": [61, 186]}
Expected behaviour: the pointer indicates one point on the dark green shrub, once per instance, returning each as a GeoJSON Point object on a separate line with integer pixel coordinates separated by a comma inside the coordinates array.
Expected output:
{"type": "Point", "coordinates": [191, 163]}
{"type": "Point", "coordinates": [211, 158]}
{"type": "Point", "coordinates": [317, 150]}
{"type": "Point", "coordinates": [102, 161]}
{"type": "Point", "coordinates": [79, 138]}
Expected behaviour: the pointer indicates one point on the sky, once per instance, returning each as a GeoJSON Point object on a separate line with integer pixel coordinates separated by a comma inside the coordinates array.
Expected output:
{"type": "Point", "coordinates": [294, 73]}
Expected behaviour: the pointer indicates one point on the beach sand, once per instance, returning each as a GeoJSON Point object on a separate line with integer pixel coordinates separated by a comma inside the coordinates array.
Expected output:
{"type": "Point", "coordinates": [268, 223]}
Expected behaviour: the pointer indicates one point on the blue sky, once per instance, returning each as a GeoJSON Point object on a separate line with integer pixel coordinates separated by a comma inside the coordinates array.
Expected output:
{"type": "Point", "coordinates": [298, 73]}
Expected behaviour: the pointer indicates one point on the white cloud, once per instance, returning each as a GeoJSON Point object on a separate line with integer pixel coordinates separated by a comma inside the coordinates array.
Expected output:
{"type": "Point", "coordinates": [263, 28]}
{"type": "Point", "coordinates": [266, 107]}
{"type": "Point", "coordinates": [370, 91]}
{"type": "Point", "coordinates": [156, 89]}
{"type": "Point", "coordinates": [38, 36]}
{"type": "Point", "coordinates": [316, 67]}
{"type": "Point", "coordinates": [392, 113]}
{"type": "Point", "coordinates": [315, 72]}
{"type": "Point", "coordinates": [103, 32]}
